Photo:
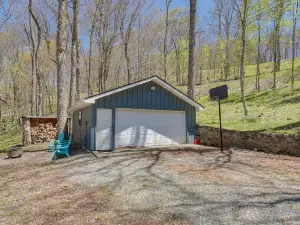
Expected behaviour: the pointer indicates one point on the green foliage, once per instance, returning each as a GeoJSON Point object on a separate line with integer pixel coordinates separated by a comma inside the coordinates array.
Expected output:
{"type": "Point", "coordinates": [183, 55]}
{"type": "Point", "coordinates": [221, 56]}
{"type": "Point", "coordinates": [17, 71]}
{"type": "Point", "coordinates": [204, 56]}
{"type": "Point", "coordinates": [236, 50]}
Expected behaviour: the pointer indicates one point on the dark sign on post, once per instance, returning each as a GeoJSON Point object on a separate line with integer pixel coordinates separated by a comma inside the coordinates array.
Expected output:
{"type": "Point", "coordinates": [219, 93]}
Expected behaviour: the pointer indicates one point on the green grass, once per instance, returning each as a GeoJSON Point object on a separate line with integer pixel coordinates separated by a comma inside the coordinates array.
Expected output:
{"type": "Point", "coordinates": [269, 111]}
{"type": "Point", "coordinates": [9, 138]}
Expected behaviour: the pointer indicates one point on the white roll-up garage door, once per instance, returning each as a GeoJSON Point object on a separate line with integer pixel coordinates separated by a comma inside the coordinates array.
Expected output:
{"type": "Point", "coordinates": [136, 127]}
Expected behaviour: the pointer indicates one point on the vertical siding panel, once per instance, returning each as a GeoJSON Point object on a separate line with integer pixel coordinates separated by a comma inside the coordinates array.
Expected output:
{"type": "Point", "coordinates": [167, 101]}
{"type": "Point", "coordinates": [100, 102]}
{"type": "Point", "coordinates": [190, 123]}
{"type": "Point", "coordinates": [149, 96]}
{"type": "Point", "coordinates": [125, 99]}
{"type": "Point", "coordinates": [178, 103]}
{"type": "Point", "coordinates": [117, 100]}
{"type": "Point", "coordinates": [108, 104]}
{"type": "Point", "coordinates": [187, 124]}
{"type": "Point", "coordinates": [134, 98]}
{"type": "Point", "coordinates": [158, 97]}
{"type": "Point", "coordinates": [170, 102]}
{"type": "Point", "coordinates": [145, 96]}
{"type": "Point", "coordinates": [105, 102]}
{"type": "Point", "coordinates": [174, 102]}
{"type": "Point", "coordinates": [93, 126]}
{"type": "Point", "coordinates": [140, 96]}
{"type": "Point", "coordinates": [193, 123]}
{"type": "Point", "coordinates": [122, 99]}
{"type": "Point", "coordinates": [113, 101]}
{"type": "Point", "coordinates": [113, 128]}
{"type": "Point", "coordinates": [182, 104]}
{"type": "Point", "coordinates": [164, 99]}
{"type": "Point", "coordinates": [130, 98]}
{"type": "Point", "coordinates": [154, 96]}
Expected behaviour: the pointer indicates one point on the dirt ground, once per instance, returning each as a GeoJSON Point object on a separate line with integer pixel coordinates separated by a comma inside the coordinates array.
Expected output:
{"type": "Point", "coordinates": [177, 185]}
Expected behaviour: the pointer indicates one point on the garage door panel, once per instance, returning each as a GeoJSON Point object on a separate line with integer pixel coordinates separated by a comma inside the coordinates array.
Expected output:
{"type": "Point", "coordinates": [149, 127]}
{"type": "Point", "coordinates": [103, 129]}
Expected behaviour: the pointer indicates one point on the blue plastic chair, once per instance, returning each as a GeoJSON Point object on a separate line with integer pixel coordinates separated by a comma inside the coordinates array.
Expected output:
{"type": "Point", "coordinates": [52, 143]}
{"type": "Point", "coordinates": [62, 148]}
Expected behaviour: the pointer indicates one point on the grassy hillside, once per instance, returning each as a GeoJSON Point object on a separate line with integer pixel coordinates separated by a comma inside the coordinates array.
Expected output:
{"type": "Point", "coordinates": [269, 111]}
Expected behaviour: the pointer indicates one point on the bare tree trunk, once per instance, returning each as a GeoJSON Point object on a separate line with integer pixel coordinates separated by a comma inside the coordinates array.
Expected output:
{"type": "Point", "coordinates": [90, 92]}
{"type": "Point", "coordinates": [277, 47]}
{"type": "Point", "coordinates": [127, 62]}
{"type": "Point", "coordinates": [227, 64]}
{"type": "Point", "coordinates": [280, 8]}
{"type": "Point", "coordinates": [139, 48]}
{"type": "Point", "coordinates": [168, 4]}
{"type": "Point", "coordinates": [242, 72]}
{"type": "Point", "coordinates": [40, 93]}
{"type": "Point", "coordinates": [62, 93]}
{"type": "Point", "coordinates": [35, 47]}
{"type": "Point", "coordinates": [74, 54]}
{"type": "Point", "coordinates": [295, 12]}
{"type": "Point", "coordinates": [274, 56]}
{"type": "Point", "coordinates": [192, 36]}
{"type": "Point", "coordinates": [128, 19]}
{"type": "Point", "coordinates": [76, 33]}
{"type": "Point", "coordinates": [33, 62]}
{"type": "Point", "coordinates": [149, 62]}
{"type": "Point", "coordinates": [258, 59]}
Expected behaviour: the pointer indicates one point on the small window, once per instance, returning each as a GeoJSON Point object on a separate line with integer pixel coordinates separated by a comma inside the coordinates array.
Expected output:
{"type": "Point", "coordinates": [79, 118]}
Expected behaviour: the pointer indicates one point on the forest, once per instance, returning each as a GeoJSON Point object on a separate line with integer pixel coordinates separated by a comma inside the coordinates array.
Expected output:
{"type": "Point", "coordinates": [55, 52]}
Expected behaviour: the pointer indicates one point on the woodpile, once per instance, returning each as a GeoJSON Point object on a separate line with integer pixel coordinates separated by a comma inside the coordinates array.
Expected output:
{"type": "Point", "coordinates": [38, 129]}
{"type": "Point", "coordinates": [43, 133]}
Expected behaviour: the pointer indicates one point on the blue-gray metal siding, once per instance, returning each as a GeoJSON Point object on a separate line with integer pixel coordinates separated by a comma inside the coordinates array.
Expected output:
{"type": "Point", "coordinates": [76, 127]}
{"type": "Point", "coordinates": [142, 97]}
{"type": "Point", "coordinates": [86, 129]}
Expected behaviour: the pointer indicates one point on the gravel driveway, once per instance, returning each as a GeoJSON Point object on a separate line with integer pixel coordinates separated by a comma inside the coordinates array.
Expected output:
{"type": "Point", "coordinates": [188, 185]}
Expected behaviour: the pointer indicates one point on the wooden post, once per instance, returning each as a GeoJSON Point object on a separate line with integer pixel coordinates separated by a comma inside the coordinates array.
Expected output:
{"type": "Point", "coordinates": [26, 131]}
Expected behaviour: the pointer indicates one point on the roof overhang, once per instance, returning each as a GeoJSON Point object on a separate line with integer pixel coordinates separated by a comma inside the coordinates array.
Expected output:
{"type": "Point", "coordinates": [80, 105]}
{"type": "Point", "coordinates": [91, 100]}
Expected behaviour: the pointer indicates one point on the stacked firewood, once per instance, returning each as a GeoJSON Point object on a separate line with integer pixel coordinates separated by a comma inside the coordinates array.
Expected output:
{"type": "Point", "coordinates": [43, 133]}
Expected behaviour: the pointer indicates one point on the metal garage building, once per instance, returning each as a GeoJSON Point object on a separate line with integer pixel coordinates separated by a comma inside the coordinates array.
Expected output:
{"type": "Point", "coordinates": [149, 112]}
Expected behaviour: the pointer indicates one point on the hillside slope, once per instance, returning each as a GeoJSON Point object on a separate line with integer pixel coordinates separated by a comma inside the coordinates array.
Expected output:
{"type": "Point", "coordinates": [269, 111]}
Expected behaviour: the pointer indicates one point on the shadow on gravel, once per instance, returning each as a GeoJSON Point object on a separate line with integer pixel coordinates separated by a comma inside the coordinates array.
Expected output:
{"type": "Point", "coordinates": [200, 185]}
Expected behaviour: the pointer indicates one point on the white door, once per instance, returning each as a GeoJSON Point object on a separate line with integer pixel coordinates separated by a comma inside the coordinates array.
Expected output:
{"type": "Point", "coordinates": [136, 127]}
{"type": "Point", "coordinates": [103, 129]}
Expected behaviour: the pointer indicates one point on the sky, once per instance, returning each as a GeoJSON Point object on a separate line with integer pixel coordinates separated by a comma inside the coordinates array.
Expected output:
{"type": "Point", "coordinates": [203, 7]}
